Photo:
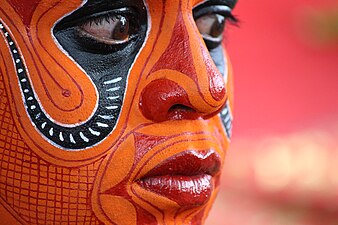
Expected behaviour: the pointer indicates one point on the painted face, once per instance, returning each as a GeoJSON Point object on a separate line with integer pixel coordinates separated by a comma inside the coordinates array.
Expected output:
{"type": "Point", "coordinates": [112, 112]}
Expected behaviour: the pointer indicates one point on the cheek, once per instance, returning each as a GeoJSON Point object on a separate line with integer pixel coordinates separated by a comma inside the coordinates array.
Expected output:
{"type": "Point", "coordinates": [79, 108]}
{"type": "Point", "coordinates": [33, 189]}
{"type": "Point", "coordinates": [71, 99]}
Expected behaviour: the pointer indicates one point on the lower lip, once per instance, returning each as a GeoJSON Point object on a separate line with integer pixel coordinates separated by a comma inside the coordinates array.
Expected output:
{"type": "Point", "coordinates": [187, 191]}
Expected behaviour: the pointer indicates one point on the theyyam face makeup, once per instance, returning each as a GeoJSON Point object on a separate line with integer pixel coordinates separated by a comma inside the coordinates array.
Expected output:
{"type": "Point", "coordinates": [112, 112]}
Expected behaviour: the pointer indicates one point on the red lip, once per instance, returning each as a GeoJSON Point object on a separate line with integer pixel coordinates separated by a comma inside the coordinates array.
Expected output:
{"type": "Point", "coordinates": [185, 178]}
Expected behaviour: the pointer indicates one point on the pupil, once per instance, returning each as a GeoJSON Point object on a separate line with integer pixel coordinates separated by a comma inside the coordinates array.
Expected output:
{"type": "Point", "coordinates": [218, 26]}
{"type": "Point", "coordinates": [211, 25]}
{"type": "Point", "coordinates": [123, 23]}
{"type": "Point", "coordinates": [121, 31]}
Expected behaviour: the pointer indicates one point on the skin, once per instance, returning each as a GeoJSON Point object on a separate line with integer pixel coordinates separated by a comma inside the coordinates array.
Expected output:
{"type": "Point", "coordinates": [100, 132]}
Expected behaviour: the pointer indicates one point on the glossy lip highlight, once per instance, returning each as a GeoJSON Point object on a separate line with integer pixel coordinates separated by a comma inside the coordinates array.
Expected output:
{"type": "Point", "coordinates": [186, 178]}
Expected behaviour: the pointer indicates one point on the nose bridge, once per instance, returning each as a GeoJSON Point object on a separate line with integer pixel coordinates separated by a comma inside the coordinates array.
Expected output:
{"type": "Point", "coordinates": [187, 62]}
{"type": "Point", "coordinates": [178, 54]}
{"type": "Point", "coordinates": [182, 81]}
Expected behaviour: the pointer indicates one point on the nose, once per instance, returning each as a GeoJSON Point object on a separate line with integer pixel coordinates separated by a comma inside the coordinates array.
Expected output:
{"type": "Point", "coordinates": [184, 83]}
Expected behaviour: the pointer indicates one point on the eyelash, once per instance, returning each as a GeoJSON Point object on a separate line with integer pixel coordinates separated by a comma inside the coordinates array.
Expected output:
{"type": "Point", "coordinates": [223, 10]}
{"type": "Point", "coordinates": [97, 19]}
{"type": "Point", "coordinates": [96, 46]}
{"type": "Point", "coordinates": [232, 19]}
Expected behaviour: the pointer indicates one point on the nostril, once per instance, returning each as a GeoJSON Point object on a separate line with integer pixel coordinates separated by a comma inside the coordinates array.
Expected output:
{"type": "Point", "coordinates": [180, 107]}
{"type": "Point", "coordinates": [180, 112]}
{"type": "Point", "coordinates": [165, 100]}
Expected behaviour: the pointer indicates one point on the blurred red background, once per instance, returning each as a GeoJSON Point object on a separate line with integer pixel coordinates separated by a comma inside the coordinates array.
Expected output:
{"type": "Point", "coordinates": [284, 79]}
{"type": "Point", "coordinates": [281, 168]}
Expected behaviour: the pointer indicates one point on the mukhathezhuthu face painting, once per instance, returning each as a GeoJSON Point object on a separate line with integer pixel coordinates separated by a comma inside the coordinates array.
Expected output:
{"type": "Point", "coordinates": [112, 111]}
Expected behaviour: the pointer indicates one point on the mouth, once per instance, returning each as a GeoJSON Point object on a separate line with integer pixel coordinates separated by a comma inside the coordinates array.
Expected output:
{"type": "Point", "coordinates": [186, 178]}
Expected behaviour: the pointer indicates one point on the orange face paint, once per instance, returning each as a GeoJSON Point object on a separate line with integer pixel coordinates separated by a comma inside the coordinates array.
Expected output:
{"type": "Point", "coordinates": [112, 112]}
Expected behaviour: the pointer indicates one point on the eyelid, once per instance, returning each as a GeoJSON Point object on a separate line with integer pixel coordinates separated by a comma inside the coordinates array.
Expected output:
{"type": "Point", "coordinates": [217, 9]}
{"type": "Point", "coordinates": [230, 3]}
{"type": "Point", "coordinates": [223, 10]}
{"type": "Point", "coordinates": [112, 12]}
{"type": "Point", "coordinates": [74, 22]}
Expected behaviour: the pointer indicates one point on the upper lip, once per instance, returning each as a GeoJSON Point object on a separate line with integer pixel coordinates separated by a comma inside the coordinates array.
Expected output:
{"type": "Point", "coordinates": [188, 163]}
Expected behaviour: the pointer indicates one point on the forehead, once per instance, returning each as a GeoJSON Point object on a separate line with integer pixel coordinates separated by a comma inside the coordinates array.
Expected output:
{"type": "Point", "coordinates": [26, 8]}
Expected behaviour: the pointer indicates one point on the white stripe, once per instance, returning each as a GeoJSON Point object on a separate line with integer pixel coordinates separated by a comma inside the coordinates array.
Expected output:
{"type": "Point", "coordinates": [225, 111]}
{"type": "Point", "coordinates": [227, 119]}
{"type": "Point", "coordinates": [30, 98]}
{"type": "Point", "coordinates": [20, 70]}
{"type": "Point", "coordinates": [83, 137]}
{"type": "Point", "coordinates": [113, 81]}
{"type": "Point", "coordinates": [113, 98]}
{"type": "Point", "coordinates": [112, 107]}
{"type": "Point", "coordinates": [102, 124]}
{"type": "Point", "coordinates": [43, 125]}
{"type": "Point", "coordinates": [114, 89]}
{"type": "Point", "coordinates": [106, 117]}
{"type": "Point", "coordinates": [61, 137]}
{"type": "Point", "coordinates": [96, 133]}
{"type": "Point", "coordinates": [37, 115]}
{"type": "Point", "coordinates": [33, 107]}
{"type": "Point", "coordinates": [71, 138]}
{"type": "Point", "coordinates": [51, 132]}
{"type": "Point", "coordinates": [17, 61]}
{"type": "Point", "coordinates": [23, 80]}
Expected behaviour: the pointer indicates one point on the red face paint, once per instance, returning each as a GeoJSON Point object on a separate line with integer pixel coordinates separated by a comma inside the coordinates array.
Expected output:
{"type": "Point", "coordinates": [137, 121]}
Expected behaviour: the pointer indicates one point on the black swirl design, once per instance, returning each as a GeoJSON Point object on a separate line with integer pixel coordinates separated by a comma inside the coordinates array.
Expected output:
{"type": "Point", "coordinates": [227, 118]}
{"type": "Point", "coordinates": [111, 85]}
{"type": "Point", "coordinates": [225, 115]}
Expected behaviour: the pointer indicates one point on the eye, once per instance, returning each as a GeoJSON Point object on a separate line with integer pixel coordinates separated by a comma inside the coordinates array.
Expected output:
{"type": "Point", "coordinates": [103, 32]}
{"type": "Point", "coordinates": [109, 29]}
{"type": "Point", "coordinates": [211, 22]}
{"type": "Point", "coordinates": [94, 29]}
{"type": "Point", "coordinates": [211, 26]}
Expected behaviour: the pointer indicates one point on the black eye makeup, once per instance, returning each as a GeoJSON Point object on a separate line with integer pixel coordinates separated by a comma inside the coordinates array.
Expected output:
{"type": "Point", "coordinates": [211, 22]}
{"type": "Point", "coordinates": [104, 28]}
{"type": "Point", "coordinates": [110, 28]}
{"type": "Point", "coordinates": [103, 37]}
